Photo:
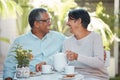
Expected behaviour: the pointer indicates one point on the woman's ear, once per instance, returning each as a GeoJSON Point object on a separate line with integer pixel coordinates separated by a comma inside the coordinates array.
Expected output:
{"type": "Point", "coordinates": [80, 21]}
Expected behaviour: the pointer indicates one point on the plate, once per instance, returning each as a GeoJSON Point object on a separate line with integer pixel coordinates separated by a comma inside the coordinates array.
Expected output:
{"type": "Point", "coordinates": [67, 74]}
{"type": "Point", "coordinates": [35, 74]}
{"type": "Point", "coordinates": [67, 78]}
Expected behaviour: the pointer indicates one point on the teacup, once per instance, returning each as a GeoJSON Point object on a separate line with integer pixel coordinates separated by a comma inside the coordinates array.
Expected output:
{"type": "Point", "coordinates": [69, 70]}
{"type": "Point", "coordinates": [46, 68]}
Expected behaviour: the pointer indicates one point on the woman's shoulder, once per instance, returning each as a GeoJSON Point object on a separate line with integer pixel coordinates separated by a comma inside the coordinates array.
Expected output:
{"type": "Point", "coordinates": [93, 33]}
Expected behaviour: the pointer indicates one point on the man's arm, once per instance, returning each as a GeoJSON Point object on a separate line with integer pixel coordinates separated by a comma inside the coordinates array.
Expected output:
{"type": "Point", "coordinates": [10, 64]}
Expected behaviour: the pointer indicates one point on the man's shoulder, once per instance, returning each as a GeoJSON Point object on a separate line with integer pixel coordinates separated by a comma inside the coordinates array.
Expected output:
{"type": "Point", "coordinates": [23, 36]}
{"type": "Point", "coordinates": [57, 34]}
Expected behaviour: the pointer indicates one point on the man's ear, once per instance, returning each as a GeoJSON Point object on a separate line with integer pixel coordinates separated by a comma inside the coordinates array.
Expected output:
{"type": "Point", "coordinates": [36, 24]}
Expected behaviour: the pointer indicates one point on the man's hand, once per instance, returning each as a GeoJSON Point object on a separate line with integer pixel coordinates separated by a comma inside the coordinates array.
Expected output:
{"type": "Point", "coordinates": [8, 78]}
{"type": "Point", "coordinates": [39, 66]}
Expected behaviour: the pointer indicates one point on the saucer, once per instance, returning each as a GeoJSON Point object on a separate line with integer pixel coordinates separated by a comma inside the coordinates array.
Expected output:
{"type": "Point", "coordinates": [67, 74]}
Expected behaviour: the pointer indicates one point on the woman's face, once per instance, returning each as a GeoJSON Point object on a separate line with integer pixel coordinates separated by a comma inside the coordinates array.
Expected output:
{"type": "Point", "coordinates": [73, 25]}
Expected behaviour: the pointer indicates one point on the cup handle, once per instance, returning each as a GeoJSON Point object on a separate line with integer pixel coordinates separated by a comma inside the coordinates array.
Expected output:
{"type": "Point", "coordinates": [52, 68]}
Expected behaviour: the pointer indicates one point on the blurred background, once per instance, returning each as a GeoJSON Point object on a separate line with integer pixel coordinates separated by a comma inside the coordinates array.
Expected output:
{"type": "Point", "coordinates": [105, 19]}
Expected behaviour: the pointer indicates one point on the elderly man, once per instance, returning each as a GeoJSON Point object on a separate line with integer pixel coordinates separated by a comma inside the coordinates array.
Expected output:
{"type": "Point", "coordinates": [41, 40]}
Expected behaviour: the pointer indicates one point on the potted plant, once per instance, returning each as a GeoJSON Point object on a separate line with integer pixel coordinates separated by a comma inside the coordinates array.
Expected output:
{"type": "Point", "coordinates": [23, 58]}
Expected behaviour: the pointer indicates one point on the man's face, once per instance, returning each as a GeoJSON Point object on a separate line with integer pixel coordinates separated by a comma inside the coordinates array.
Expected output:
{"type": "Point", "coordinates": [44, 23]}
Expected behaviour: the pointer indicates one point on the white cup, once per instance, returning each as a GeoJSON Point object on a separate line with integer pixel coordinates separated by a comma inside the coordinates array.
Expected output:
{"type": "Point", "coordinates": [69, 69]}
{"type": "Point", "coordinates": [46, 68]}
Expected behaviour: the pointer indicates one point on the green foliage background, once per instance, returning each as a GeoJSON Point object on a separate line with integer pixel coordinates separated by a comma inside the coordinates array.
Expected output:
{"type": "Point", "coordinates": [58, 10]}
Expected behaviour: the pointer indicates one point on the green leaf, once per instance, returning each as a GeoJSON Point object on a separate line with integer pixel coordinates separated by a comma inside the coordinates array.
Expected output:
{"type": "Point", "coordinates": [4, 39]}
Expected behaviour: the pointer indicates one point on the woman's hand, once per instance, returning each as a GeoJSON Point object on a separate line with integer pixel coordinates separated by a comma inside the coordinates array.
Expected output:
{"type": "Point", "coordinates": [71, 55]}
{"type": "Point", "coordinates": [39, 66]}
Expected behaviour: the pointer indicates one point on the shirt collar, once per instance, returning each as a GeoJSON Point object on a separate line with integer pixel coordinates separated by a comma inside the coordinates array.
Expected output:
{"type": "Point", "coordinates": [39, 38]}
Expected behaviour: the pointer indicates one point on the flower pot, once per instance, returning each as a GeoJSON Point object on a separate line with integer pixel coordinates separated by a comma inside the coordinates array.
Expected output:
{"type": "Point", "coordinates": [23, 72]}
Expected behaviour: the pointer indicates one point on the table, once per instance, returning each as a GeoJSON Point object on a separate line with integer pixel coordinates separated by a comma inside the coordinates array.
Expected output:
{"type": "Point", "coordinates": [51, 76]}
{"type": "Point", "coordinates": [1, 75]}
{"type": "Point", "coordinates": [55, 76]}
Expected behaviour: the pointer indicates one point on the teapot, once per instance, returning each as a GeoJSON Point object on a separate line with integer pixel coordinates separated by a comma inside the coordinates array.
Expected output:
{"type": "Point", "coordinates": [60, 61]}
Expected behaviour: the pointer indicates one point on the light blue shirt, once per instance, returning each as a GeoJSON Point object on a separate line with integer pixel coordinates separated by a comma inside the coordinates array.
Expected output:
{"type": "Point", "coordinates": [41, 50]}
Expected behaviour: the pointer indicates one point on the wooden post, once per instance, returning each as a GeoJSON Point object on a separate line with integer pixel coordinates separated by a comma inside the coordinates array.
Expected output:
{"type": "Point", "coordinates": [116, 27]}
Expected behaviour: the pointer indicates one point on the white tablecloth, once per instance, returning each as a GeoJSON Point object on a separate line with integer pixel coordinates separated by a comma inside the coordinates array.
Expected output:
{"type": "Point", "coordinates": [55, 76]}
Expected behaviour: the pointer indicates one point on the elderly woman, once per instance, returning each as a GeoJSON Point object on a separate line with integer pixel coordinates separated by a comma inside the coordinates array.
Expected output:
{"type": "Point", "coordinates": [84, 48]}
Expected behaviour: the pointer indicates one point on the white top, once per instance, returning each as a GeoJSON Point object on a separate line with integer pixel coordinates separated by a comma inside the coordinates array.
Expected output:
{"type": "Point", "coordinates": [90, 52]}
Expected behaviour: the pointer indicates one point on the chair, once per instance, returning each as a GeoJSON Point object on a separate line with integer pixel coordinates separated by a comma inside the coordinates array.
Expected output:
{"type": "Point", "coordinates": [107, 58]}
